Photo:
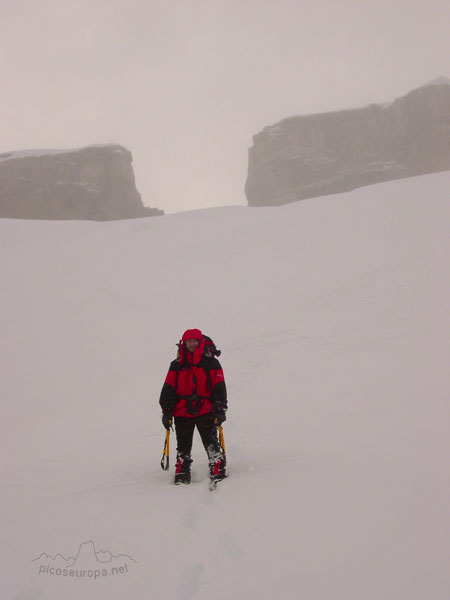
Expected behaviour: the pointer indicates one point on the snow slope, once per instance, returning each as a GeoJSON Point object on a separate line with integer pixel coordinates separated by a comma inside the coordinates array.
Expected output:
{"type": "Point", "coordinates": [332, 315]}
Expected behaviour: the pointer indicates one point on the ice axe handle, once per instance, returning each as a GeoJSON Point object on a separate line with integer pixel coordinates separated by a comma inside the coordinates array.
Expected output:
{"type": "Point", "coordinates": [222, 441]}
{"type": "Point", "coordinates": [165, 456]}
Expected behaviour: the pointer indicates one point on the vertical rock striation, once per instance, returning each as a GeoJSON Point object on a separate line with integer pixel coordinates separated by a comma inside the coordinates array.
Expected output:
{"type": "Point", "coordinates": [95, 183]}
{"type": "Point", "coordinates": [313, 155]}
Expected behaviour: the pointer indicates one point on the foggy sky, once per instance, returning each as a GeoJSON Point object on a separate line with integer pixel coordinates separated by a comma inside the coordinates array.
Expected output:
{"type": "Point", "coordinates": [185, 84]}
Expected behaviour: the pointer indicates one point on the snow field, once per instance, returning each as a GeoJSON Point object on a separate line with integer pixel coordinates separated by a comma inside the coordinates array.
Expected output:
{"type": "Point", "coordinates": [332, 315]}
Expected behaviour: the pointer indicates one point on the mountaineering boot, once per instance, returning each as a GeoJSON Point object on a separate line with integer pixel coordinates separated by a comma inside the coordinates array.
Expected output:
{"type": "Point", "coordinates": [217, 465]}
{"type": "Point", "coordinates": [183, 469]}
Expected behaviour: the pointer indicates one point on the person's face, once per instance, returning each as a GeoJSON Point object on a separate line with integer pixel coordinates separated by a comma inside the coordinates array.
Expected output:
{"type": "Point", "coordinates": [192, 345]}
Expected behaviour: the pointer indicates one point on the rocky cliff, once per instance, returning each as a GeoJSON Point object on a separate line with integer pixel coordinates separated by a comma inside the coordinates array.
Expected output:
{"type": "Point", "coordinates": [313, 155]}
{"type": "Point", "coordinates": [95, 183]}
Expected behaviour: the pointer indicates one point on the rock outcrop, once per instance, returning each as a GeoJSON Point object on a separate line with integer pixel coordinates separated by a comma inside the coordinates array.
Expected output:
{"type": "Point", "coordinates": [95, 183]}
{"type": "Point", "coordinates": [306, 156]}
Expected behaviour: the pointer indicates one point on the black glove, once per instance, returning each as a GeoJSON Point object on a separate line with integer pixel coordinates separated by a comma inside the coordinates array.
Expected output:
{"type": "Point", "coordinates": [167, 420]}
{"type": "Point", "coordinates": [220, 416]}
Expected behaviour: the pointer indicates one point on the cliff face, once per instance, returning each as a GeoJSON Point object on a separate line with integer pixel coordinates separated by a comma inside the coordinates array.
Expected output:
{"type": "Point", "coordinates": [307, 156]}
{"type": "Point", "coordinates": [95, 183]}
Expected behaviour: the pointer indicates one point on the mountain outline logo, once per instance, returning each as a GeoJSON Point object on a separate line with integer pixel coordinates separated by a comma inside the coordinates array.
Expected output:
{"type": "Point", "coordinates": [87, 557]}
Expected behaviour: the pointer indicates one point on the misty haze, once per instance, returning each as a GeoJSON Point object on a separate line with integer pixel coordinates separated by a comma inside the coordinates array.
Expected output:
{"type": "Point", "coordinates": [315, 139]}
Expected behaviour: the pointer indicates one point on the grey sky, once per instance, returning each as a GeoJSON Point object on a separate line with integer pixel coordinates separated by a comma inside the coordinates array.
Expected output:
{"type": "Point", "coordinates": [185, 84]}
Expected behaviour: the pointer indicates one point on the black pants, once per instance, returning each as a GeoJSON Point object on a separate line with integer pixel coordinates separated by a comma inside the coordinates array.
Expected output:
{"type": "Point", "coordinates": [207, 429]}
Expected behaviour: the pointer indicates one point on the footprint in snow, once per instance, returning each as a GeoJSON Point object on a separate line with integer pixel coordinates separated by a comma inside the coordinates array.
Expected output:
{"type": "Point", "coordinates": [230, 545]}
{"type": "Point", "coordinates": [189, 582]}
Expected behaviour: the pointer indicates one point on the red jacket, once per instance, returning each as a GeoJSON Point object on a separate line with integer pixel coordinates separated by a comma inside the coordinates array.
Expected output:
{"type": "Point", "coordinates": [195, 384]}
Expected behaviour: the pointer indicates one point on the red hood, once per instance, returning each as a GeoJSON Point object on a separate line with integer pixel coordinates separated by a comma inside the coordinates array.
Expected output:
{"type": "Point", "coordinates": [196, 356]}
{"type": "Point", "coordinates": [192, 334]}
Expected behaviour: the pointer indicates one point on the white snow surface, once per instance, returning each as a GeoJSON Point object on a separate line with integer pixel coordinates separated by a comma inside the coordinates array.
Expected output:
{"type": "Point", "coordinates": [332, 316]}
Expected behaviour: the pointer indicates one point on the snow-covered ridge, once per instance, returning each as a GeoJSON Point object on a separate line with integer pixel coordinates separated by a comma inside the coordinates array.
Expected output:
{"type": "Point", "coordinates": [47, 151]}
{"type": "Point", "coordinates": [326, 153]}
{"type": "Point", "coordinates": [441, 80]}
{"type": "Point", "coordinates": [277, 128]}
{"type": "Point", "coordinates": [93, 182]}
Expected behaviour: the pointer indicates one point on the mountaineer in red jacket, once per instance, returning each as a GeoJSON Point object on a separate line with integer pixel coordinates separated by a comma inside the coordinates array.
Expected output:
{"type": "Point", "coordinates": [194, 394]}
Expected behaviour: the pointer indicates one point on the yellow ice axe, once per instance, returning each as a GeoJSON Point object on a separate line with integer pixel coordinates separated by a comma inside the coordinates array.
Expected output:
{"type": "Point", "coordinates": [165, 456]}
{"type": "Point", "coordinates": [222, 441]}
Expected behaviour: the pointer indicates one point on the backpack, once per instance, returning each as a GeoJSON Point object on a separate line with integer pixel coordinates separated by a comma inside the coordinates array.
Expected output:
{"type": "Point", "coordinates": [210, 347]}
{"type": "Point", "coordinates": [209, 351]}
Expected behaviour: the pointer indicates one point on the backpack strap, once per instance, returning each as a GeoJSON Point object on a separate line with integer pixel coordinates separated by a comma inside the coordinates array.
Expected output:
{"type": "Point", "coordinates": [208, 378]}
